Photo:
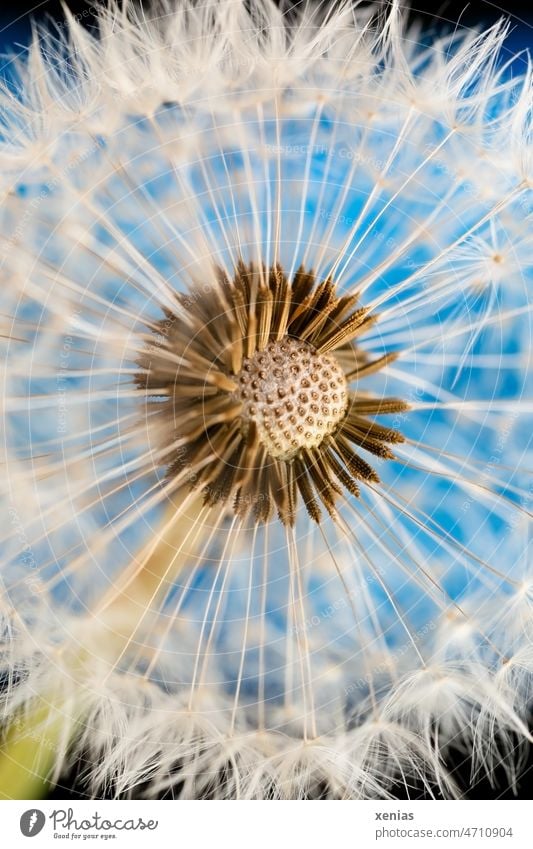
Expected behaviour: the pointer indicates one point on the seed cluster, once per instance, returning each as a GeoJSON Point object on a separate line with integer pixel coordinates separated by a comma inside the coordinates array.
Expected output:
{"type": "Point", "coordinates": [259, 410]}
{"type": "Point", "coordinates": [295, 396]}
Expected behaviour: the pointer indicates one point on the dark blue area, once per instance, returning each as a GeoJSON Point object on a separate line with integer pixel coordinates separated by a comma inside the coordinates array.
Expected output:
{"type": "Point", "coordinates": [15, 34]}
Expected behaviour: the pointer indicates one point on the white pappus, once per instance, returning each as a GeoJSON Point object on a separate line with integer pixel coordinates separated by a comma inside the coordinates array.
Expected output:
{"type": "Point", "coordinates": [266, 401]}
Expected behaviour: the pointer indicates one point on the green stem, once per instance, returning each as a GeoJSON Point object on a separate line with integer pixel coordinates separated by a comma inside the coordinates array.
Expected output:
{"type": "Point", "coordinates": [28, 753]}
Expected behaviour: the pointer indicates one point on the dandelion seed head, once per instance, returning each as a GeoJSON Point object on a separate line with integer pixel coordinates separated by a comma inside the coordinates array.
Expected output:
{"type": "Point", "coordinates": [231, 583]}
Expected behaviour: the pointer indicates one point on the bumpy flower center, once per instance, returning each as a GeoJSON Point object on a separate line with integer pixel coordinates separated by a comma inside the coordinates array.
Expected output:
{"type": "Point", "coordinates": [294, 395]}
{"type": "Point", "coordinates": [264, 408]}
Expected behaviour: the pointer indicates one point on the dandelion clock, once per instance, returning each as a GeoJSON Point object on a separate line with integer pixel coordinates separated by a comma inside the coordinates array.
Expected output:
{"type": "Point", "coordinates": [266, 410]}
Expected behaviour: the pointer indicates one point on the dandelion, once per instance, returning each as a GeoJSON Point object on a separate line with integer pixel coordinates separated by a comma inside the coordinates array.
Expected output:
{"type": "Point", "coordinates": [266, 402]}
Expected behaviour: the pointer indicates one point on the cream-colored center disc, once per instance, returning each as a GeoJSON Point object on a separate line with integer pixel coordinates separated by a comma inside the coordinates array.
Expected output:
{"type": "Point", "coordinates": [295, 395]}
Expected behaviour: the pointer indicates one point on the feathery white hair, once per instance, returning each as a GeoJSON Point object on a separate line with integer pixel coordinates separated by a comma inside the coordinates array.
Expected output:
{"type": "Point", "coordinates": [188, 647]}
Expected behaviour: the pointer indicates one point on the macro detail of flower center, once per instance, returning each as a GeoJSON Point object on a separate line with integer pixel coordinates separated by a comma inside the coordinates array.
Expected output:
{"type": "Point", "coordinates": [294, 395]}
{"type": "Point", "coordinates": [260, 410]}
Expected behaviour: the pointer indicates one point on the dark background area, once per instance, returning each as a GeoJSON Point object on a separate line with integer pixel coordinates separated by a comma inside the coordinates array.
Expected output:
{"type": "Point", "coordinates": [15, 26]}
{"type": "Point", "coordinates": [15, 29]}
{"type": "Point", "coordinates": [469, 11]}
{"type": "Point", "coordinates": [443, 11]}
